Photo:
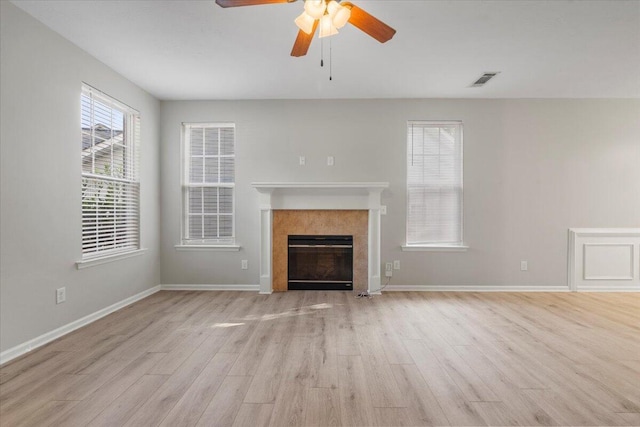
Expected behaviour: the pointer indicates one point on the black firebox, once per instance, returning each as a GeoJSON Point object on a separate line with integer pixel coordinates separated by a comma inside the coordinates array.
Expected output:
{"type": "Point", "coordinates": [320, 263]}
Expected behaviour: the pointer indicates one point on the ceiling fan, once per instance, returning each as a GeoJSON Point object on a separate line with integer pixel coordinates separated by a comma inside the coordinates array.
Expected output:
{"type": "Point", "coordinates": [329, 15]}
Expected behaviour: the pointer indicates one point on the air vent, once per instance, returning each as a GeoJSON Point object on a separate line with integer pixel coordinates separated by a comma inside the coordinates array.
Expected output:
{"type": "Point", "coordinates": [485, 78]}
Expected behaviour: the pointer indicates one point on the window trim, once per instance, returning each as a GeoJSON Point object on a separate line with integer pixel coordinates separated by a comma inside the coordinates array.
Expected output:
{"type": "Point", "coordinates": [435, 246]}
{"type": "Point", "coordinates": [133, 123]}
{"type": "Point", "coordinates": [207, 247]}
{"type": "Point", "coordinates": [107, 258]}
{"type": "Point", "coordinates": [228, 244]}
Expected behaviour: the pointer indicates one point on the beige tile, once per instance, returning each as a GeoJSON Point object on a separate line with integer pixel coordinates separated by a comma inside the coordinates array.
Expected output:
{"type": "Point", "coordinates": [320, 222]}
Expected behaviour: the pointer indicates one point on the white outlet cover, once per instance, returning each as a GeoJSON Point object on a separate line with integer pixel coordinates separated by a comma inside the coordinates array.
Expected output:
{"type": "Point", "coordinates": [330, 161]}
{"type": "Point", "coordinates": [303, 161]}
{"type": "Point", "coordinates": [383, 209]}
{"type": "Point", "coordinates": [524, 266]}
{"type": "Point", "coordinates": [245, 264]}
{"type": "Point", "coordinates": [396, 265]}
{"type": "Point", "coordinates": [61, 295]}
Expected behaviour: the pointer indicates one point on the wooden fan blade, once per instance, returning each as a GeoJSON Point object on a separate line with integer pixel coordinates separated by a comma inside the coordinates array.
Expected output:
{"type": "Point", "coordinates": [369, 23]}
{"type": "Point", "coordinates": [303, 41]}
{"type": "Point", "coordinates": [236, 3]}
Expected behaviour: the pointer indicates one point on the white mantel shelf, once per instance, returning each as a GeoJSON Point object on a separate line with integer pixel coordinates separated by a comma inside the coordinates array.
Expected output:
{"type": "Point", "coordinates": [319, 195]}
{"type": "Point", "coordinates": [319, 189]}
{"type": "Point", "coordinates": [320, 185]}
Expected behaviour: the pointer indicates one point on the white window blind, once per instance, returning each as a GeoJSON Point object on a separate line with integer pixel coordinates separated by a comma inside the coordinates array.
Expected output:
{"type": "Point", "coordinates": [208, 183]}
{"type": "Point", "coordinates": [434, 183]}
{"type": "Point", "coordinates": [110, 181]}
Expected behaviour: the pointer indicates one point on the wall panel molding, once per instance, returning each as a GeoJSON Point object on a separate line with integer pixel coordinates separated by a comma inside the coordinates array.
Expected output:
{"type": "Point", "coordinates": [605, 259]}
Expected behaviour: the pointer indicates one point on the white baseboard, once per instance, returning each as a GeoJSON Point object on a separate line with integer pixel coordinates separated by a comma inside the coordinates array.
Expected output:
{"type": "Point", "coordinates": [43, 339]}
{"type": "Point", "coordinates": [472, 288]}
{"type": "Point", "coordinates": [402, 288]}
{"type": "Point", "coordinates": [608, 289]}
{"type": "Point", "coordinates": [254, 288]}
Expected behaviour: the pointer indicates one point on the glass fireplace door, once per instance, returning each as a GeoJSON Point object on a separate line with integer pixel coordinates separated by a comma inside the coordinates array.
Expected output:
{"type": "Point", "coordinates": [320, 263]}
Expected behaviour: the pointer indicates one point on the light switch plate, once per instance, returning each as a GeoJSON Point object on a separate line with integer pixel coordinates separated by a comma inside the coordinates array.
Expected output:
{"type": "Point", "coordinates": [330, 161]}
{"type": "Point", "coordinates": [303, 161]}
{"type": "Point", "coordinates": [383, 209]}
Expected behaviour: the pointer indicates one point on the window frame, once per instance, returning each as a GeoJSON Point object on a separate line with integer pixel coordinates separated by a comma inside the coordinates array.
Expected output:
{"type": "Point", "coordinates": [435, 246]}
{"type": "Point", "coordinates": [220, 244]}
{"type": "Point", "coordinates": [131, 177]}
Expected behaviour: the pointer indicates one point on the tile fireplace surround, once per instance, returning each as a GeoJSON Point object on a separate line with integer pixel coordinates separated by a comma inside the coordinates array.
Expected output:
{"type": "Point", "coordinates": [289, 199]}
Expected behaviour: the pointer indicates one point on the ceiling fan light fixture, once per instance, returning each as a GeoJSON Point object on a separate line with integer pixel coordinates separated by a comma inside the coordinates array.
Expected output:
{"type": "Point", "coordinates": [341, 17]}
{"type": "Point", "coordinates": [326, 27]}
{"type": "Point", "coordinates": [329, 15]}
{"type": "Point", "coordinates": [315, 8]}
{"type": "Point", "coordinates": [332, 8]}
{"type": "Point", "coordinates": [305, 22]}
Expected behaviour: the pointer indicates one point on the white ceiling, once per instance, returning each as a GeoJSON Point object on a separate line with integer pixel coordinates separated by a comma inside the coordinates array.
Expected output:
{"type": "Point", "coordinates": [198, 50]}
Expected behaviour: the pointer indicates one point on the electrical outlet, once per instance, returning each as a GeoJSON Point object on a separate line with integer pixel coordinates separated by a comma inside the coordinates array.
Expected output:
{"type": "Point", "coordinates": [330, 161]}
{"type": "Point", "coordinates": [383, 209]}
{"type": "Point", "coordinates": [388, 266]}
{"type": "Point", "coordinates": [396, 265]}
{"type": "Point", "coordinates": [245, 264]}
{"type": "Point", "coordinates": [524, 266]}
{"type": "Point", "coordinates": [388, 273]}
{"type": "Point", "coordinates": [303, 161]}
{"type": "Point", "coordinates": [61, 295]}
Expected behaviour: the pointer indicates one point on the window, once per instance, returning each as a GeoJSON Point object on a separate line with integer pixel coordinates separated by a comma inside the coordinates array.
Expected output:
{"type": "Point", "coordinates": [110, 182]}
{"type": "Point", "coordinates": [434, 184]}
{"type": "Point", "coordinates": [208, 184]}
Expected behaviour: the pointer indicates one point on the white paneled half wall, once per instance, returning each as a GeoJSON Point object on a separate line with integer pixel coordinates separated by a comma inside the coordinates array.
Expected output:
{"type": "Point", "coordinates": [604, 259]}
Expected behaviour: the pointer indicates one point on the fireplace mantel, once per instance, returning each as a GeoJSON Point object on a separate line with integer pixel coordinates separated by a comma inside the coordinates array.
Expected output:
{"type": "Point", "coordinates": [318, 196]}
{"type": "Point", "coordinates": [269, 186]}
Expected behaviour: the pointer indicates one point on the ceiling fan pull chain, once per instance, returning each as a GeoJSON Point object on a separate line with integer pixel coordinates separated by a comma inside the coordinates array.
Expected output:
{"type": "Point", "coordinates": [321, 53]}
{"type": "Point", "coordinates": [330, 60]}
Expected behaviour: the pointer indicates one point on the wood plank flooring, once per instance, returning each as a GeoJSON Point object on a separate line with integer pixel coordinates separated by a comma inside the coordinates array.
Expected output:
{"type": "Point", "coordinates": [329, 359]}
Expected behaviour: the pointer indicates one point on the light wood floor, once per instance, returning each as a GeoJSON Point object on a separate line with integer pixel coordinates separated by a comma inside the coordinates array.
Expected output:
{"type": "Point", "coordinates": [327, 358]}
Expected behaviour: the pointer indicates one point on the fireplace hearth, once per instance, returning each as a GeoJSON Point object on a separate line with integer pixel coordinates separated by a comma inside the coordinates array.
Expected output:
{"type": "Point", "coordinates": [320, 262]}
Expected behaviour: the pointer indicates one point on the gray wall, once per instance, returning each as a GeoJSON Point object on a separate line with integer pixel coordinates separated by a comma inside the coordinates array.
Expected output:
{"type": "Point", "coordinates": [40, 80]}
{"type": "Point", "coordinates": [533, 168]}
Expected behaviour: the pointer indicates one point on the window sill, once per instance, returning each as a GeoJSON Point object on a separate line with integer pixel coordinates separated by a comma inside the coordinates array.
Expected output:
{"type": "Point", "coordinates": [219, 248]}
{"type": "Point", "coordinates": [99, 260]}
{"type": "Point", "coordinates": [434, 248]}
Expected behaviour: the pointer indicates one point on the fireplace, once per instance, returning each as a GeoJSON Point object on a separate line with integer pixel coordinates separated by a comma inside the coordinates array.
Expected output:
{"type": "Point", "coordinates": [320, 262]}
{"type": "Point", "coordinates": [319, 208]}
